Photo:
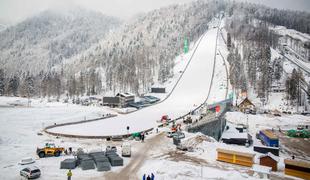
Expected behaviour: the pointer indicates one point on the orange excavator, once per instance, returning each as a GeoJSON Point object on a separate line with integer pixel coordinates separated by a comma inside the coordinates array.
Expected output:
{"type": "Point", "coordinates": [176, 128]}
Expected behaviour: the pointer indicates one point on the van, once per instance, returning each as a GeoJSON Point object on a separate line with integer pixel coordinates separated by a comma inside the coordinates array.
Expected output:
{"type": "Point", "coordinates": [126, 149]}
{"type": "Point", "coordinates": [30, 172]}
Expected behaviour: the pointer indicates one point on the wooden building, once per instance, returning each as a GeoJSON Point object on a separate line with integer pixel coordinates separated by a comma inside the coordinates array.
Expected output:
{"type": "Point", "coordinates": [269, 160]}
{"type": "Point", "coordinates": [112, 101]}
{"type": "Point", "coordinates": [235, 157]}
{"type": "Point", "coordinates": [245, 105]}
{"type": "Point", "coordinates": [126, 98]}
{"type": "Point", "coordinates": [296, 168]}
{"type": "Point", "coordinates": [158, 90]}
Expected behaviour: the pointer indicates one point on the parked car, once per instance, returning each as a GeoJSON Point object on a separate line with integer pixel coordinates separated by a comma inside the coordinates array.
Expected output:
{"type": "Point", "coordinates": [150, 99]}
{"type": "Point", "coordinates": [27, 160]}
{"type": "Point", "coordinates": [170, 134]}
{"type": "Point", "coordinates": [30, 172]}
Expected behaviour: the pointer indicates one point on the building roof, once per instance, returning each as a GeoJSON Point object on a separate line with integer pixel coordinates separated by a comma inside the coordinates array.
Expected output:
{"type": "Point", "coordinates": [297, 163]}
{"type": "Point", "coordinates": [235, 152]}
{"type": "Point", "coordinates": [125, 94]}
{"type": "Point", "coordinates": [246, 101]}
{"type": "Point", "coordinates": [235, 135]}
{"type": "Point", "coordinates": [269, 134]}
{"type": "Point", "coordinates": [261, 169]}
{"type": "Point", "coordinates": [272, 156]}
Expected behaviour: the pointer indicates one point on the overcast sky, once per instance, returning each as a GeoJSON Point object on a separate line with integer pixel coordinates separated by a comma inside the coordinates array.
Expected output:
{"type": "Point", "coordinates": [16, 10]}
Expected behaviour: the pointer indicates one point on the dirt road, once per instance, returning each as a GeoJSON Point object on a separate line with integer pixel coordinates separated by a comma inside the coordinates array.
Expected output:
{"type": "Point", "coordinates": [139, 156]}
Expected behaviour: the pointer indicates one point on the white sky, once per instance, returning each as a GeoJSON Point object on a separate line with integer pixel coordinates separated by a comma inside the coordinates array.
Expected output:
{"type": "Point", "coordinates": [16, 10]}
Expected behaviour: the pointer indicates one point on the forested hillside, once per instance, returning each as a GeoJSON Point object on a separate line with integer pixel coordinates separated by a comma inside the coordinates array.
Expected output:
{"type": "Point", "coordinates": [250, 40]}
{"type": "Point", "coordinates": [73, 54]}
{"type": "Point", "coordinates": [38, 43]}
{"type": "Point", "coordinates": [143, 51]}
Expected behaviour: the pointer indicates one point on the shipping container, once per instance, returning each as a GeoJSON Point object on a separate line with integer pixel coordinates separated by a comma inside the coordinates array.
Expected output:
{"type": "Point", "coordinates": [268, 138]}
{"type": "Point", "coordinates": [235, 157]}
{"type": "Point", "coordinates": [296, 168]}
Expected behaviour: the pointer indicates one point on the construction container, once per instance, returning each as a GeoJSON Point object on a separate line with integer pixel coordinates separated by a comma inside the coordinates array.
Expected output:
{"type": "Point", "coordinates": [268, 138]}
{"type": "Point", "coordinates": [68, 164]}
{"type": "Point", "coordinates": [99, 153]}
{"type": "Point", "coordinates": [296, 168]}
{"type": "Point", "coordinates": [87, 164]}
{"type": "Point", "coordinates": [103, 166]}
{"type": "Point", "coordinates": [100, 159]}
{"type": "Point", "coordinates": [176, 141]}
{"type": "Point", "coordinates": [266, 149]}
{"type": "Point", "coordinates": [235, 157]}
{"type": "Point", "coordinates": [116, 161]}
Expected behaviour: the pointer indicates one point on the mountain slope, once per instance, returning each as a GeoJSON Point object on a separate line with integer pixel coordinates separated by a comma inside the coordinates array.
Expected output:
{"type": "Point", "coordinates": [40, 42]}
{"type": "Point", "coordinates": [143, 51]}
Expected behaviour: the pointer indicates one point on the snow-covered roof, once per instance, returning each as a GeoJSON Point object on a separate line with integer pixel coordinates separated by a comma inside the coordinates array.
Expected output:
{"type": "Point", "coordinates": [261, 169]}
{"type": "Point", "coordinates": [125, 94]}
{"type": "Point", "coordinates": [235, 135]}
{"type": "Point", "coordinates": [272, 156]}
{"type": "Point", "coordinates": [292, 33]}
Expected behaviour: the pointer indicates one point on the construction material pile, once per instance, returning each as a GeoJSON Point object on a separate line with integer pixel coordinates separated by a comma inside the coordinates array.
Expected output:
{"type": "Point", "coordinates": [102, 160]}
{"type": "Point", "coordinates": [68, 164]}
{"type": "Point", "coordinates": [197, 140]}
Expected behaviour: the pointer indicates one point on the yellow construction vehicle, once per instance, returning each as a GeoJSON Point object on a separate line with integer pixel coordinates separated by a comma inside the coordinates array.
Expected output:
{"type": "Point", "coordinates": [49, 150]}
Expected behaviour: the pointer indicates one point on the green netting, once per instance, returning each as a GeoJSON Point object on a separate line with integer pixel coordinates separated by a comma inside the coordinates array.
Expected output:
{"type": "Point", "coordinates": [298, 133]}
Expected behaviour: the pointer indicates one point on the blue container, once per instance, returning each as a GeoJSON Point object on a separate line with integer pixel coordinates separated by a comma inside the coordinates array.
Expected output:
{"type": "Point", "coordinates": [269, 138]}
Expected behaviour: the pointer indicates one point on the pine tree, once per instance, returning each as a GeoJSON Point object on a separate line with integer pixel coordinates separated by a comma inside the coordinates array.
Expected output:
{"type": "Point", "coordinates": [2, 82]}
{"type": "Point", "coordinates": [228, 41]}
{"type": "Point", "coordinates": [29, 85]}
{"type": "Point", "coordinates": [13, 86]}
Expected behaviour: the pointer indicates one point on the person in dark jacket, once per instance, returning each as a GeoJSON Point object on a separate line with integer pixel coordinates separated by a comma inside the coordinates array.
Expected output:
{"type": "Point", "coordinates": [142, 136]}
{"type": "Point", "coordinates": [148, 177]}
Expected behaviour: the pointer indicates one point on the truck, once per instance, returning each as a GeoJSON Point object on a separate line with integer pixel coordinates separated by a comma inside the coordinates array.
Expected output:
{"type": "Point", "coordinates": [268, 138]}
{"type": "Point", "coordinates": [126, 149]}
{"type": "Point", "coordinates": [50, 150]}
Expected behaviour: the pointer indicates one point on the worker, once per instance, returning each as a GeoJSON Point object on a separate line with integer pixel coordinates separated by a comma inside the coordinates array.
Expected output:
{"type": "Point", "coordinates": [69, 174]}
{"type": "Point", "coordinates": [152, 176]}
{"type": "Point", "coordinates": [148, 177]}
{"type": "Point", "coordinates": [142, 137]}
{"type": "Point", "coordinates": [143, 178]}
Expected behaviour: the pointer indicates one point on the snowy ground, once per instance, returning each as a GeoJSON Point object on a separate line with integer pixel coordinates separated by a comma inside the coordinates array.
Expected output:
{"type": "Point", "coordinates": [19, 139]}
{"type": "Point", "coordinates": [21, 124]}
{"type": "Point", "coordinates": [202, 164]}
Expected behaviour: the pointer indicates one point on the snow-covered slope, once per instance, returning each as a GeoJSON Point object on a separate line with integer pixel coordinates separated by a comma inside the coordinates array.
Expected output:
{"type": "Point", "coordinates": [42, 41]}
{"type": "Point", "coordinates": [190, 92]}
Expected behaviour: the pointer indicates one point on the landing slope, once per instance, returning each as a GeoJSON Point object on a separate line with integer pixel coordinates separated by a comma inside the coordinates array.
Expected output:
{"type": "Point", "coordinates": [191, 91]}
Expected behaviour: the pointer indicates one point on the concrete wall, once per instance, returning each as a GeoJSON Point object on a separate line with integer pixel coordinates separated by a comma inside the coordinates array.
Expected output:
{"type": "Point", "coordinates": [213, 128]}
